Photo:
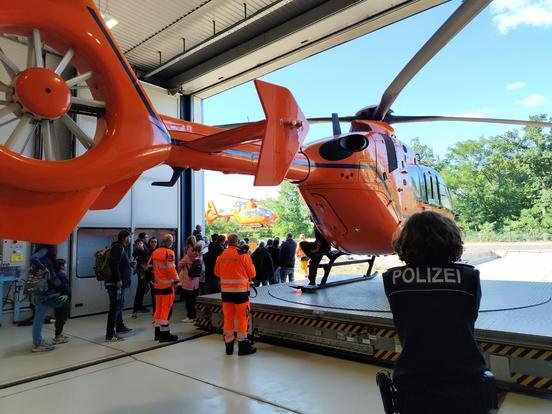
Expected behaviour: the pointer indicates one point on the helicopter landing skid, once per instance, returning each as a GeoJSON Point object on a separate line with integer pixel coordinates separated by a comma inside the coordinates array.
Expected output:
{"type": "Point", "coordinates": [313, 288]}
{"type": "Point", "coordinates": [332, 256]}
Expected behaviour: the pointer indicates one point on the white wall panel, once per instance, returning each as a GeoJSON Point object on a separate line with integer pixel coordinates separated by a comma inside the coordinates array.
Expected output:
{"type": "Point", "coordinates": [163, 102]}
{"type": "Point", "coordinates": [155, 206]}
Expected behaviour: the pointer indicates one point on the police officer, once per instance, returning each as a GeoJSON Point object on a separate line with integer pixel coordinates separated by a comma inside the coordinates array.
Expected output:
{"type": "Point", "coordinates": [165, 279]}
{"type": "Point", "coordinates": [435, 303]}
{"type": "Point", "coordinates": [235, 270]}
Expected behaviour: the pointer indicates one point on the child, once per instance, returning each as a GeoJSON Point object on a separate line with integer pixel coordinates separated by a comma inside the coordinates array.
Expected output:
{"type": "Point", "coordinates": [188, 283]}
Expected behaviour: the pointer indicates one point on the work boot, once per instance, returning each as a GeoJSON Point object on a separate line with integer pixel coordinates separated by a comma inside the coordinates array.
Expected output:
{"type": "Point", "coordinates": [166, 336]}
{"type": "Point", "coordinates": [229, 347]}
{"type": "Point", "coordinates": [157, 333]}
{"type": "Point", "coordinates": [246, 347]}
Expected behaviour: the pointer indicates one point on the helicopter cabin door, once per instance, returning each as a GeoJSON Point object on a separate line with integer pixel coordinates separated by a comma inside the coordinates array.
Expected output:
{"type": "Point", "coordinates": [369, 162]}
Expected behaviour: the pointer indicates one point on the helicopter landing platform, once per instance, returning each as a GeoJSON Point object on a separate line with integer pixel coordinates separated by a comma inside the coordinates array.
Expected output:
{"type": "Point", "coordinates": [353, 320]}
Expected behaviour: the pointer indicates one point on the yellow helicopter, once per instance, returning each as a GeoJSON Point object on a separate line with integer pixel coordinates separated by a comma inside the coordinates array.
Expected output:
{"type": "Point", "coordinates": [246, 213]}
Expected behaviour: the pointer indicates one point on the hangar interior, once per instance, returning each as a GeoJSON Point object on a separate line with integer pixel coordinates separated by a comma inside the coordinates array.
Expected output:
{"type": "Point", "coordinates": [183, 52]}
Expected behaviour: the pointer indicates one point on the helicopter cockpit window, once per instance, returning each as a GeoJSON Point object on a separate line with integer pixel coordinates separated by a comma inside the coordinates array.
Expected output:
{"type": "Point", "coordinates": [416, 178]}
{"type": "Point", "coordinates": [444, 194]}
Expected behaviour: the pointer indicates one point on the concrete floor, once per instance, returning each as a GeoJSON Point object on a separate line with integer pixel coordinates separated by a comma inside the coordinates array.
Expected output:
{"type": "Point", "coordinates": [195, 376]}
{"type": "Point", "coordinates": [86, 345]}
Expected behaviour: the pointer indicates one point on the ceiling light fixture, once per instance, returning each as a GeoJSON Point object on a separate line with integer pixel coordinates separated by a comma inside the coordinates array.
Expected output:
{"type": "Point", "coordinates": [110, 22]}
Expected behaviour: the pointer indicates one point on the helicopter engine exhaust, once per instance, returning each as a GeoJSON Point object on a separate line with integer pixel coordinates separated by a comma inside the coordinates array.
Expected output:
{"type": "Point", "coordinates": [343, 147]}
{"type": "Point", "coordinates": [353, 143]}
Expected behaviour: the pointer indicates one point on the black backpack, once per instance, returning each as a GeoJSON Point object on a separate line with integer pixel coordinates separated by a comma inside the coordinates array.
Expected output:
{"type": "Point", "coordinates": [195, 269]}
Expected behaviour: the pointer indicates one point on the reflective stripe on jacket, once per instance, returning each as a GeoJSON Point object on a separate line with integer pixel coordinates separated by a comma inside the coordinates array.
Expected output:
{"type": "Point", "coordinates": [164, 268]}
{"type": "Point", "coordinates": [235, 270]}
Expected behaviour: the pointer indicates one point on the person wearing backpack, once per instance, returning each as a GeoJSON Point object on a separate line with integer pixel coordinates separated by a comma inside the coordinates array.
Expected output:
{"type": "Point", "coordinates": [116, 282]}
{"type": "Point", "coordinates": [190, 269]}
{"type": "Point", "coordinates": [43, 297]}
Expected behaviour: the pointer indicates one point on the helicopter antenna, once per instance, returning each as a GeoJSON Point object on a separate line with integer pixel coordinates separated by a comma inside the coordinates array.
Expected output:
{"type": "Point", "coordinates": [454, 24]}
{"type": "Point", "coordinates": [335, 124]}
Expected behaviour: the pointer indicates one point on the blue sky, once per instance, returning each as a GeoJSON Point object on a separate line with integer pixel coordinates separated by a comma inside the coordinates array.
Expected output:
{"type": "Point", "coordinates": [499, 66]}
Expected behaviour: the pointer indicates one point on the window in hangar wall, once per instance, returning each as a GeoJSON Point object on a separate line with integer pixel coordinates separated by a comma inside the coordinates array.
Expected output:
{"type": "Point", "coordinates": [90, 240]}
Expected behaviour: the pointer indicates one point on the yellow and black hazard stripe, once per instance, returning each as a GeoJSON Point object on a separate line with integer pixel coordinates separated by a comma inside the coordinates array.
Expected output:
{"type": "Point", "coordinates": [314, 323]}
{"type": "Point", "coordinates": [209, 308]}
{"type": "Point", "coordinates": [530, 381]}
{"type": "Point", "coordinates": [384, 355]}
{"type": "Point", "coordinates": [516, 351]}
{"type": "Point", "coordinates": [384, 332]}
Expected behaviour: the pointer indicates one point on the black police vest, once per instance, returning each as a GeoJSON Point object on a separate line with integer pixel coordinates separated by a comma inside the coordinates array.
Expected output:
{"type": "Point", "coordinates": [434, 310]}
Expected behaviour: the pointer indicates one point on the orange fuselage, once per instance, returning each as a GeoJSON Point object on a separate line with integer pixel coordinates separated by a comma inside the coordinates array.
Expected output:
{"type": "Point", "coordinates": [357, 201]}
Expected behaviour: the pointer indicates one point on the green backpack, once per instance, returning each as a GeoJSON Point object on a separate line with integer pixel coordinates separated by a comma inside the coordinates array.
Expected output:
{"type": "Point", "coordinates": [101, 268]}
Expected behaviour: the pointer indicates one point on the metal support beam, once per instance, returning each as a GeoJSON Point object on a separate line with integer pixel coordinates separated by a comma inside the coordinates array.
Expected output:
{"type": "Point", "coordinates": [186, 181]}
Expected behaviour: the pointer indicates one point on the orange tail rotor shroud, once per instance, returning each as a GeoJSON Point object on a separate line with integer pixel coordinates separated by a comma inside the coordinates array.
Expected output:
{"type": "Point", "coordinates": [129, 138]}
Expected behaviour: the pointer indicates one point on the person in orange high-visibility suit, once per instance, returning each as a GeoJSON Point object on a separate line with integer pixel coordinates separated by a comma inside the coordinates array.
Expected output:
{"type": "Point", "coordinates": [303, 259]}
{"type": "Point", "coordinates": [164, 279]}
{"type": "Point", "coordinates": [235, 270]}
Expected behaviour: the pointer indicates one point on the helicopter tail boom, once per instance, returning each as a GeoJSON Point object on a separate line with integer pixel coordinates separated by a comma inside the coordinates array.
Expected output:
{"type": "Point", "coordinates": [276, 140]}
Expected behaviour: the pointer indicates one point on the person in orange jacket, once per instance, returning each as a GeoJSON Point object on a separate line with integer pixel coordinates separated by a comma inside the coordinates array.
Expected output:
{"type": "Point", "coordinates": [303, 259]}
{"type": "Point", "coordinates": [165, 278]}
{"type": "Point", "coordinates": [235, 270]}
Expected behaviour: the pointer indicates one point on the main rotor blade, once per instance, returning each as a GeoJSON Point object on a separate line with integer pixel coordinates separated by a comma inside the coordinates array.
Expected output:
{"type": "Point", "coordinates": [392, 119]}
{"type": "Point", "coordinates": [456, 22]}
{"type": "Point", "coordinates": [326, 119]}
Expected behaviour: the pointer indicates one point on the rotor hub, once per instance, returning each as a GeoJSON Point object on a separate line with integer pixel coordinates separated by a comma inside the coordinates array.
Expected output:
{"type": "Point", "coordinates": [42, 93]}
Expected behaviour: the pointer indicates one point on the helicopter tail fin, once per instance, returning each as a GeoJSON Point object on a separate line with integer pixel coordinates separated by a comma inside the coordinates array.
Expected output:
{"type": "Point", "coordinates": [211, 214]}
{"type": "Point", "coordinates": [280, 135]}
{"type": "Point", "coordinates": [286, 129]}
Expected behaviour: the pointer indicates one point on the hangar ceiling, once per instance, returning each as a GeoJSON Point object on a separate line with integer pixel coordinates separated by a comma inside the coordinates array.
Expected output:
{"type": "Point", "coordinates": [203, 47]}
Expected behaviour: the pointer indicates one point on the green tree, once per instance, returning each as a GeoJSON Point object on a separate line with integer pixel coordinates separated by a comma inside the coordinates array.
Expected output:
{"type": "Point", "coordinates": [426, 154]}
{"type": "Point", "coordinates": [293, 213]}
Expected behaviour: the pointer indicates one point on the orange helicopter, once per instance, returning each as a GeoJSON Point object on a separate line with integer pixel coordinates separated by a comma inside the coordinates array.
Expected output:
{"type": "Point", "coordinates": [246, 213]}
{"type": "Point", "coordinates": [358, 185]}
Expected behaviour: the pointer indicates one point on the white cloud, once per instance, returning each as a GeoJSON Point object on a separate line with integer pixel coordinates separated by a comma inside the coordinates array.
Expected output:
{"type": "Point", "coordinates": [515, 85]}
{"type": "Point", "coordinates": [534, 99]}
{"type": "Point", "coordinates": [509, 14]}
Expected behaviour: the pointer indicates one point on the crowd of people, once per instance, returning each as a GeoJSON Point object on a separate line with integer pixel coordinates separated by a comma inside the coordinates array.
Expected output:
{"type": "Point", "coordinates": [427, 242]}
{"type": "Point", "coordinates": [154, 263]}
